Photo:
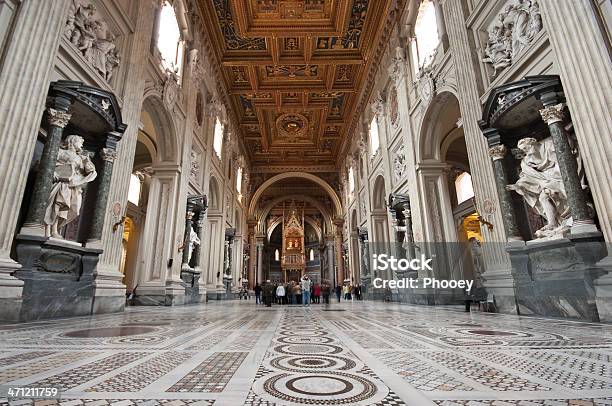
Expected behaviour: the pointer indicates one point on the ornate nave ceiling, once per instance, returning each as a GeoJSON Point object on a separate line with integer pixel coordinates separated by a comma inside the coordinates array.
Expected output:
{"type": "Point", "coordinates": [294, 70]}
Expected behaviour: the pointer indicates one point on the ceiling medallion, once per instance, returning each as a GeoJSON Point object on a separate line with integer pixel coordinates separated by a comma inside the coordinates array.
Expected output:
{"type": "Point", "coordinates": [292, 125]}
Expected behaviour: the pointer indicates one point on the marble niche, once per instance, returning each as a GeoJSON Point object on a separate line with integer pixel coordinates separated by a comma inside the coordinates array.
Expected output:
{"type": "Point", "coordinates": [551, 225]}
{"type": "Point", "coordinates": [58, 244]}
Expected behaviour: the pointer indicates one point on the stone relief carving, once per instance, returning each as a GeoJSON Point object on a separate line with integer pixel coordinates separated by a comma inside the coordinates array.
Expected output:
{"type": "Point", "coordinates": [86, 30]}
{"type": "Point", "coordinates": [426, 87]}
{"type": "Point", "coordinates": [515, 28]}
{"type": "Point", "coordinates": [171, 88]}
{"type": "Point", "coordinates": [399, 163]}
{"type": "Point", "coordinates": [195, 165]}
{"type": "Point", "coordinates": [541, 186]}
{"type": "Point", "coordinates": [73, 171]}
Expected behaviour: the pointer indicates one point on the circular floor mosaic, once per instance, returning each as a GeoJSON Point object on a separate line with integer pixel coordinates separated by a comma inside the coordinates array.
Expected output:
{"type": "Point", "coordinates": [312, 362]}
{"type": "Point", "coordinates": [305, 349]}
{"type": "Point", "coordinates": [321, 388]}
{"type": "Point", "coordinates": [304, 340]}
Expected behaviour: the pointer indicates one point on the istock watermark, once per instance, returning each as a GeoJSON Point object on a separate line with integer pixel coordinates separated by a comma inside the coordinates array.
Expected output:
{"type": "Point", "coordinates": [414, 283]}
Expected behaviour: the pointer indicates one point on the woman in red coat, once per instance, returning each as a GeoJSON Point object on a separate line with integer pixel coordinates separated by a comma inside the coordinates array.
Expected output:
{"type": "Point", "coordinates": [317, 293]}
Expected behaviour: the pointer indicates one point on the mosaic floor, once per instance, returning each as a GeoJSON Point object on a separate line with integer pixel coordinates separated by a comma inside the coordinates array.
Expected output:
{"type": "Point", "coordinates": [361, 353]}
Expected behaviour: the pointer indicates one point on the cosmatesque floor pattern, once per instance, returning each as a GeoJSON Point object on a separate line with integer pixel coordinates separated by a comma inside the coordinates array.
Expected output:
{"type": "Point", "coordinates": [357, 353]}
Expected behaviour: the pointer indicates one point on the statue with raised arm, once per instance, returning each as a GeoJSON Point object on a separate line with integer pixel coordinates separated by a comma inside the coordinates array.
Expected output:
{"type": "Point", "coordinates": [73, 171]}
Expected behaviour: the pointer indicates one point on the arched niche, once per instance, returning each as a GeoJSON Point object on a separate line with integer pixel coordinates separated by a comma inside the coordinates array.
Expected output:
{"type": "Point", "coordinates": [439, 121]}
{"type": "Point", "coordinates": [379, 200]}
{"type": "Point", "coordinates": [304, 175]}
{"type": "Point", "coordinates": [160, 129]}
{"type": "Point", "coordinates": [215, 203]}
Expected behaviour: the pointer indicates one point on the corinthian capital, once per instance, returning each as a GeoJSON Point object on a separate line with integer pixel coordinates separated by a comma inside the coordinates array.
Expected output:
{"type": "Point", "coordinates": [553, 114]}
{"type": "Point", "coordinates": [108, 154]}
{"type": "Point", "coordinates": [497, 152]}
{"type": "Point", "coordinates": [58, 118]}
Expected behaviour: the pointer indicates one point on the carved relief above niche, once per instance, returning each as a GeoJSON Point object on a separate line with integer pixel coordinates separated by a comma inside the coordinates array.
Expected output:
{"type": "Point", "coordinates": [89, 33]}
{"type": "Point", "coordinates": [512, 31]}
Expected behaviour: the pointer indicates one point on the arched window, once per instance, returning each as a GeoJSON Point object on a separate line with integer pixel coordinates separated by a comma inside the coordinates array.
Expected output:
{"type": "Point", "coordinates": [277, 255]}
{"type": "Point", "coordinates": [351, 181]}
{"type": "Point", "coordinates": [311, 256]}
{"type": "Point", "coordinates": [218, 138]}
{"type": "Point", "coordinates": [239, 180]}
{"type": "Point", "coordinates": [374, 138]}
{"type": "Point", "coordinates": [426, 39]}
{"type": "Point", "coordinates": [134, 189]}
{"type": "Point", "coordinates": [169, 42]}
{"type": "Point", "coordinates": [463, 187]}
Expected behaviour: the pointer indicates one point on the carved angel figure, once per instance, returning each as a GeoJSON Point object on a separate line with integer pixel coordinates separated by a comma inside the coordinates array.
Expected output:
{"type": "Point", "coordinates": [541, 186]}
{"type": "Point", "coordinates": [73, 171]}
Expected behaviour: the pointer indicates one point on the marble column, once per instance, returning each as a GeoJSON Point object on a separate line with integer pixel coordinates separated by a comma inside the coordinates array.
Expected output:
{"type": "Point", "coordinates": [260, 273]}
{"type": "Point", "coordinates": [581, 46]}
{"type": "Point", "coordinates": [568, 166]}
{"type": "Point", "coordinates": [330, 262]}
{"type": "Point", "coordinates": [58, 118]}
{"type": "Point", "coordinates": [339, 250]}
{"type": "Point", "coordinates": [105, 173]}
{"type": "Point", "coordinates": [497, 153]}
{"type": "Point", "coordinates": [25, 74]}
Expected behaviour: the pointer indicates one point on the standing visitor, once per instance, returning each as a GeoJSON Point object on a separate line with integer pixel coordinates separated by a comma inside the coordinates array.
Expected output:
{"type": "Point", "coordinates": [268, 293]}
{"type": "Point", "coordinates": [317, 293]}
{"type": "Point", "coordinates": [280, 294]}
{"type": "Point", "coordinates": [306, 284]}
{"type": "Point", "coordinates": [338, 292]}
{"type": "Point", "coordinates": [257, 294]}
{"type": "Point", "coordinates": [325, 291]}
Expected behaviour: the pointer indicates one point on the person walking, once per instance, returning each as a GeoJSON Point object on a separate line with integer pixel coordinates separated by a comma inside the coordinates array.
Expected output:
{"type": "Point", "coordinates": [317, 293]}
{"type": "Point", "coordinates": [280, 294]}
{"type": "Point", "coordinates": [298, 293]}
{"type": "Point", "coordinates": [325, 291]}
{"type": "Point", "coordinates": [306, 283]}
{"type": "Point", "coordinates": [338, 292]}
{"type": "Point", "coordinates": [268, 293]}
{"type": "Point", "coordinates": [257, 294]}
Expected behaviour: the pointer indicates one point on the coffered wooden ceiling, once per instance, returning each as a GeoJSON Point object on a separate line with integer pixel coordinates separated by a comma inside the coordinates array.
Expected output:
{"type": "Point", "coordinates": [294, 70]}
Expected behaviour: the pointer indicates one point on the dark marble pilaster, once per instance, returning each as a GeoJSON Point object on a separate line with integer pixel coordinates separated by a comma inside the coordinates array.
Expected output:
{"type": "Point", "coordinates": [497, 153]}
{"type": "Point", "coordinates": [58, 117]}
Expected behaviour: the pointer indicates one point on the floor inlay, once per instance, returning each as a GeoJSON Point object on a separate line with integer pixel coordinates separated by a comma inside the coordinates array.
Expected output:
{"type": "Point", "coordinates": [361, 354]}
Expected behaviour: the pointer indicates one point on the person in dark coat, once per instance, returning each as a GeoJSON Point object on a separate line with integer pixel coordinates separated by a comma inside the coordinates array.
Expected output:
{"type": "Point", "coordinates": [258, 294]}
{"type": "Point", "coordinates": [268, 293]}
{"type": "Point", "coordinates": [338, 292]}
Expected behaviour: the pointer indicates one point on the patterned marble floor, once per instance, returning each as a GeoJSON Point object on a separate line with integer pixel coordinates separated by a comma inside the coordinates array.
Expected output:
{"type": "Point", "coordinates": [361, 353]}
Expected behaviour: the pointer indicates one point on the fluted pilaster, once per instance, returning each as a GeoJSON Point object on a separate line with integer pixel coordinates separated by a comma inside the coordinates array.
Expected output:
{"type": "Point", "coordinates": [24, 79]}
{"type": "Point", "coordinates": [583, 60]}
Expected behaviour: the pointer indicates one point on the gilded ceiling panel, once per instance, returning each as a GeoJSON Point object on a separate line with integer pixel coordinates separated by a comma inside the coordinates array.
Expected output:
{"type": "Point", "coordinates": [293, 69]}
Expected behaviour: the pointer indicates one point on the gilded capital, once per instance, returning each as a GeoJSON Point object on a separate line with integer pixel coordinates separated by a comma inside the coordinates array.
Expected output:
{"type": "Point", "coordinates": [553, 114]}
{"type": "Point", "coordinates": [58, 118]}
{"type": "Point", "coordinates": [498, 152]}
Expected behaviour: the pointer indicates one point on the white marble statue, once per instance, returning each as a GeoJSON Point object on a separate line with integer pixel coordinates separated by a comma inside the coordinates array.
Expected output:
{"type": "Point", "coordinates": [541, 186]}
{"type": "Point", "coordinates": [73, 171]}
{"type": "Point", "coordinates": [193, 241]}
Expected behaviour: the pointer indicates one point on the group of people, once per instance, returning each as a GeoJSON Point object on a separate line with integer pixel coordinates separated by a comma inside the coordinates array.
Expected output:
{"type": "Point", "coordinates": [305, 292]}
